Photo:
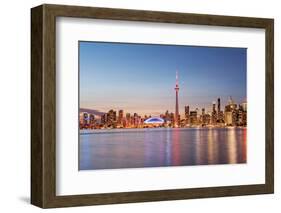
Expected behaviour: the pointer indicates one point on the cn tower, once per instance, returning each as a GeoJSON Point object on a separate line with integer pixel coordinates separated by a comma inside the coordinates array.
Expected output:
{"type": "Point", "coordinates": [177, 101]}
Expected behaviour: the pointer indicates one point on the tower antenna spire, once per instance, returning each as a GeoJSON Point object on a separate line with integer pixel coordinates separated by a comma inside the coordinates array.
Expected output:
{"type": "Point", "coordinates": [177, 78]}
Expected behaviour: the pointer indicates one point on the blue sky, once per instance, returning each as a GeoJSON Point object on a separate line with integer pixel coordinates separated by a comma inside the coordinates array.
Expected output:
{"type": "Point", "coordinates": [141, 77]}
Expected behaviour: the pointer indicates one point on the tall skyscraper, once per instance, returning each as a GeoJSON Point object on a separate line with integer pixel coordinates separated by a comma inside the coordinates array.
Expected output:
{"type": "Point", "coordinates": [193, 117]}
{"type": "Point", "coordinates": [219, 105]}
{"type": "Point", "coordinates": [120, 116]}
{"type": "Point", "coordinates": [231, 113]}
{"type": "Point", "coordinates": [214, 106]}
{"type": "Point", "coordinates": [104, 119]}
{"type": "Point", "coordinates": [186, 113]}
{"type": "Point", "coordinates": [203, 111]}
{"type": "Point", "coordinates": [214, 113]}
{"type": "Point", "coordinates": [203, 116]}
{"type": "Point", "coordinates": [111, 118]}
{"type": "Point", "coordinates": [177, 101]}
{"type": "Point", "coordinates": [128, 120]}
{"type": "Point", "coordinates": [91, 119]}
{"type": "Point", "coordinates": [219, 113]}
{"type": "Point", "coordinates": [136, 119]}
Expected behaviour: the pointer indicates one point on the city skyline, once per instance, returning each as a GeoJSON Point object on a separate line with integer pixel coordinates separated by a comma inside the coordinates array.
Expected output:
{"type": "Point", "coordinates": [208, 108]}
{"type": "Point", "coordinates": [132, 78]}
{"type": "Point", "coordinates": [233, 115]}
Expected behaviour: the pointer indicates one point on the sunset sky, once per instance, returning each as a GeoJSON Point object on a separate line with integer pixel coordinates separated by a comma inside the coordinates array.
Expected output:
{"type": "Point", "coordinates": [141, 78]}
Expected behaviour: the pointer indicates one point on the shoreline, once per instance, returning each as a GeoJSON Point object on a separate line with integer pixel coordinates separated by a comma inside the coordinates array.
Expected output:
{"type": "Point", "coordinates": [133, 130]}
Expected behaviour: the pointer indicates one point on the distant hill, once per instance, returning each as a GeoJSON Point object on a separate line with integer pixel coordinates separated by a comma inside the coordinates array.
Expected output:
{"type": "Point", "coordinates": [92, 111]}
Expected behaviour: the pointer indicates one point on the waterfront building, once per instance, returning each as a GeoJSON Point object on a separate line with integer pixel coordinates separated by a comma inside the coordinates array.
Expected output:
{"type": "Point", "coordinates": [219, 104]}
{"type": "Point", "coordinates": [203, 117]}
{"type": "Point", "coordinates": [154, 122]}
{"type": "Point", "coordinates": [214, 114]}
{"type": "Point", "coordinates": [228, 118]}
{"type": "Point", "coordinates": [167, 117]}
{"type": "Point", "coordinates": [104, 119]}
{"type": "Point", "coordinates": [186, 113]}
{"type": "Point", "coordinates": [172, 119]}
{"type": "Point", "coordinates": [244, 106]}
{"type": "Point", "coordinates": [203, 111]}
{"type": "Point", "coordinates": [81, 118]}
{"type": "Point", "coordinates": [242, 116]}
{"type": "Point", "coordinates": [207, 119]}
{"type": "Point", "coordinates": [135, 120]}
{"type": "Point", "coordinates": [91, 119]}
{"type": "Point", "coordinates": [84, 119]}
{"type": "Point", "coordinates": [231, 113]}
{"type": "Point", "coordinates": [128, 119]}
{"type": "Point", "coordinates": [219, 112]}
{"type": "Point", "coordinates": [111, 119]}
{"type": "Point", "coordinates": [120, 117]}
{"type": "Point", "coordinates": [132, 121]}
{"type": "Point", "coordinates": [231, 105]}
{"type": "Point", "coordinates": [193, 118]}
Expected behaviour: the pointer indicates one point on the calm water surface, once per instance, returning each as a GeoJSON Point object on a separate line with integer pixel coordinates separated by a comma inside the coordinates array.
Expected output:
{"type": "Point", "coordinates": [138, 148]}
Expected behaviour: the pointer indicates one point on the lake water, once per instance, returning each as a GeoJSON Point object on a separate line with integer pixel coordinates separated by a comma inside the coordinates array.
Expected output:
{"type": "Point", "coordinates": [137, 148]}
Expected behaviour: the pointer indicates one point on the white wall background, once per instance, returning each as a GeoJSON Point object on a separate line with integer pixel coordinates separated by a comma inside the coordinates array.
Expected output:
{"type": "Point", "coordinates": [15, 105]}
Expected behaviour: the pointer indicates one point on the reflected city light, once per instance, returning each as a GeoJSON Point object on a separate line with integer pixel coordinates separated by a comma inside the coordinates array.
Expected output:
{"type": "Point", "coordinates": [176, 148]}
{"type": "Point", "coordinates": [173, 147]}
{"type": "Point", "coordinates": [198, 157]}
{"type": "Point", "coordinates": [232, 157]}
{"type": "Point", "coordinates": [244, 149]}
{"type": "Point", "coordinates": [210, 141]}
{"type": "Point", "coordinates": [168, 148]}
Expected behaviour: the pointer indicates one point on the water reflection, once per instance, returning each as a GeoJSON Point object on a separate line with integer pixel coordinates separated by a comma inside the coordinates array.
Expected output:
{"type": "Point", "coordinates": [232, 146]}
{"type": "Point", "coordinates": [168, 148]}
{"type": "Point", "coordinates": [212, 152]}
{"type": "Point", "coordinates": [163, 147]}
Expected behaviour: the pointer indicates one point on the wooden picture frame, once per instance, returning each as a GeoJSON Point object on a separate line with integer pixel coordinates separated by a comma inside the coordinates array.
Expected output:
{"type": "Point", "coordinates": [43, 105]}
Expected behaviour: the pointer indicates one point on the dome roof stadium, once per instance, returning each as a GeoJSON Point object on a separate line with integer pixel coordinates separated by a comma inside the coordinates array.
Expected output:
{"type": "Point", "coordinates": [154, 120]}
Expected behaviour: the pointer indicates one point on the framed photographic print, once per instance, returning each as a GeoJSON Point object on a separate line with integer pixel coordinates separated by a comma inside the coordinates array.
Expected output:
{"type": "Point", "coordinates": [136, 106]}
